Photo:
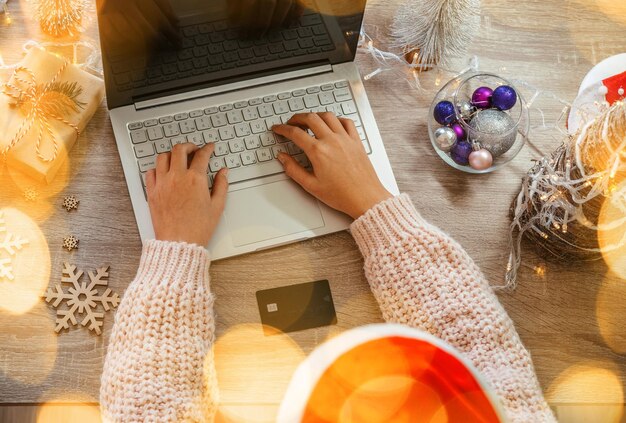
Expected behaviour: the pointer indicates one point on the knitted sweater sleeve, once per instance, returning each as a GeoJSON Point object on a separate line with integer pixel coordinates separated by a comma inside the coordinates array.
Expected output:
{"type": "Point", "coordinates": [159, 364]}
{"type": "Point", "coordinates": [422, 278]}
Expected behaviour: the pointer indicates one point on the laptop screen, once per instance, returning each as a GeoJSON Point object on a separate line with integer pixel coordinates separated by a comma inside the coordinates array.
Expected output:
{"type": "Point", "coordinates": [153, 48]}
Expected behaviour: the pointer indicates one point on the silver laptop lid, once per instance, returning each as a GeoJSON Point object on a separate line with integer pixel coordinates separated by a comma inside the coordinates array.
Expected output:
{"type": "Point", "coordinates": [156, 48]}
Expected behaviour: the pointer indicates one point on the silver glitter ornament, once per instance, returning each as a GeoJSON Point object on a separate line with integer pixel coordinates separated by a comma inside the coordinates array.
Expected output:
{"type": "Point", "coordinates": [493, 130]}
{"type": "Point", "coordinates": [466, 110]}
{"type": "Point", "coordinates": [445, 138]}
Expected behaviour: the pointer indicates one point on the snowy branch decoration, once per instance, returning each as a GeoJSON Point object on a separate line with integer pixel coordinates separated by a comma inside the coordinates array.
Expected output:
{"type": "Point", "coordinates": [433, 31]}
{"type": "Point", "coordinates": [81, 298]}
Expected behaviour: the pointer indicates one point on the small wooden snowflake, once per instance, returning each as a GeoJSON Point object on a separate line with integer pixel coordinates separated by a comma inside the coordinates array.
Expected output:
{"type": "Point", "coordinates": [70, 243]}
{"type": "Point", "coordinates": [70, 203]}
{"type": "Point", "coordinates": [31, 194]}
{"type": "Point", "coordinates": [82, 298]}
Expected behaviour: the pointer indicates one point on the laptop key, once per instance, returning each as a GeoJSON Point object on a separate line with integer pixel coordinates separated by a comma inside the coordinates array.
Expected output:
{"type": "Point", "coordinates": [264, 154]}
{"type": "Point", "coordinates": [195, 113]}
{"type": "Point", "coordinates": [250, 113]}
{"type": "Point", "coordinates": [234, 116]}
{"type": "Point", "coordinates": [342, 94]}
{"type": "Point", "coordinates": [248, 158]}
{"type": "Point", "coordinates": [216, 163]}
{"type": "Point", "coordinates": [211, 136]}
{"type": "Point", "coordinates": [135, 125]}
{"type": "Point", "coordinates": [265, 110]}
{"type": "Point", "coordinates": [187, 126]}
{"type": "Point", "coordinates": [258, 127]}
{"type": "Point", "coordinates": [227, 133]}
{"type": "Point", "coordinates": [326, 98]}
{"type": "Point", "coordinates": [150, 122]}
{"type": "Point", "coordinates": [181, 116]}
{"type": "Point", "coordinates": [138, 136]}
{"type": "Point", "coordinates": [311, 101]}
{"type": "Point", "coordinates": [147, 163]}
{"type": "Point", "coordinates": [219, 120]}
{"type": "Point", "coordinates": [252, 142]}
{"type": "Point", "coordinates": [236, 146]}
{"type": "Point", "coordinates": [162, 146]}
{"type": "Point", "coordinates": [171, 130]}
{"type": "Point", "coordinates": [296, 104]}
{"type": "Point", "coordinates": [348, 107]}
{"type": "Point", "coordinates": [233, 161]}
{"type": "Point", "coordinates": [144, 150]}
{"type": "Point", "coordinates": [242, 129]}
{"type": "Point", "coordinates": [221, 149]}
{"type": "Point", "coordinates": [155, 133]}
{"type": "Point", "coordinates": [203, 123]}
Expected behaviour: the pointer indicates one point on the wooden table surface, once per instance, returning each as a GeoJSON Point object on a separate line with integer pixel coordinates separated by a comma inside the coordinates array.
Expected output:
{"type": "Point", "coordinates": [569, 315]}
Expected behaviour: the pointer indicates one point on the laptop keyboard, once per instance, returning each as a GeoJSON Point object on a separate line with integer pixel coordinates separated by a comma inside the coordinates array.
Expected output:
{"type": "Point", "coordinates": [211, 47]}
{"type": "Point", "coordinates": [241, 131]}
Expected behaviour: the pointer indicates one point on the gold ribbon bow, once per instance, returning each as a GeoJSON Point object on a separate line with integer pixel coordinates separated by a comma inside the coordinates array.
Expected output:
{"type": "Point", "coordinates": [40, 103]}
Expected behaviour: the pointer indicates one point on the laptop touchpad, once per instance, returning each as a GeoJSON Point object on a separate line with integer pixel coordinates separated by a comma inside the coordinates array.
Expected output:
{"type": "Point", "coordinates": [270, 211]}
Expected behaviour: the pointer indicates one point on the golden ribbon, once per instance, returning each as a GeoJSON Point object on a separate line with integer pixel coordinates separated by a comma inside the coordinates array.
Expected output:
{"type": "Point", "coordinates": [39, 101]}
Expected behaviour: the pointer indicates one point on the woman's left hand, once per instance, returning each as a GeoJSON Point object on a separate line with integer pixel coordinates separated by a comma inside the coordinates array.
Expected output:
{"type": "Point", "coordinates": [181, 206]}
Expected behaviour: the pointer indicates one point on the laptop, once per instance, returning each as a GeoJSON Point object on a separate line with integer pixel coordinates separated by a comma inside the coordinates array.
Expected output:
{"type": "Point", "coordinates": [224, 72]}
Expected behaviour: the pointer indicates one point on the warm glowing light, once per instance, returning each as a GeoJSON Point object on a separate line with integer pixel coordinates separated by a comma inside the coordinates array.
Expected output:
{"type": "Point", "coordinates": [540, 270]}
{"type": "Point", "coordinates": [29, 345]}
{"type": "Point", "coordinates": [598, 388]}
{"type": "Point", "coordinates": [614, 10]}
{"type": "Point", "coordinates": [610, 312]}
{"type": "Point", "coordinates": [382, 399]}
{"type": "Point", "coordinates": [29, 265]}
{"type": "Point", "coordinates": [84, 410]}
{"type": "Point", "coordinates": [253, 369]}
{"type": "Point", "coordinates": [612, 230]}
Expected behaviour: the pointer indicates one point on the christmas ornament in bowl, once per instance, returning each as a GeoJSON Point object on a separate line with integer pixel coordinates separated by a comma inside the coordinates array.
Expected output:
{"type": "Point", "coordinates": [478, 122]}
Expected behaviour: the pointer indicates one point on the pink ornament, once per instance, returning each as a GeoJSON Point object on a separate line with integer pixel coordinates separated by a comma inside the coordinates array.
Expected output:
{"type": "Point", "coordinates": [480, 159]}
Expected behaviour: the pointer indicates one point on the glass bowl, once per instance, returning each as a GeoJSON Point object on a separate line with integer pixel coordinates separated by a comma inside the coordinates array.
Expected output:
{"type": "Point", "coordinates": [504, 145]}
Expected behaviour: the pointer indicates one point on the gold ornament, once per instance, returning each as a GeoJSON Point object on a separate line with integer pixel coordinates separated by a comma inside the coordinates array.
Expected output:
{"type": "Point", "coordinates": [70, 203]}
{"type": "Point", "coordinates": [70, 243]}
{"type": "Point", "coordinates": [40, 103]}
{"type": "Point", "coordinates": [82, 298]}
{"type": "Point", "coordinates": [59, 18]}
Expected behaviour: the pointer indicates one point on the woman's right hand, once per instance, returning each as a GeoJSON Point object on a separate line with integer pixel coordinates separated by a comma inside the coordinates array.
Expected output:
{"type": "Point", "coordinates": [343, 176]}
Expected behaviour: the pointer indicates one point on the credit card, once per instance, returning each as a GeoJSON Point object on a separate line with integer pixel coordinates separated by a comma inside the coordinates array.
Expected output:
{"type": "Point", "coordinates": [297, 307]}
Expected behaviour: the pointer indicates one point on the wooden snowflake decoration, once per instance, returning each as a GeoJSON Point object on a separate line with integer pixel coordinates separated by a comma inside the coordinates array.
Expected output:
{"type": "Point", "coordinates": [70, 203]}
{"type": "Point", "coordinates": [31, 194]}
{"type": "Point", "coordinates": [70, 243]}
{"type": "Point", "coordinates": [81, 298]}
{"type": "Point", "coordinates": [9, 246]}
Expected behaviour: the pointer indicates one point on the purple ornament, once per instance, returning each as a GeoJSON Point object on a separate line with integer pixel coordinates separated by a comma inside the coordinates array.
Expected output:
{"type": "Point", "coordinates": [504, 97]}
{"type": "Point", "coordinates": [444, 113]}
{"type": "Point", "coordinates": [482, 97]}
{"type": "Point", "coordinates": [460, 152]}
{"type": "Point", "coordinates": [459, 131]}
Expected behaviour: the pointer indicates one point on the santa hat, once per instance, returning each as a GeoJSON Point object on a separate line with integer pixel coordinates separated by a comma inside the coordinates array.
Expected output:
{"type": "Point", "coordinates": [388, 373]}
{"type": "Point", "coordinates": [604, 85]}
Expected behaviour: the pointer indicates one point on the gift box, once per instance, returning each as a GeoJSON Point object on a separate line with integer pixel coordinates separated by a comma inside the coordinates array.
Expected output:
{"type": "Point", "coordinates": [44, 107]}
